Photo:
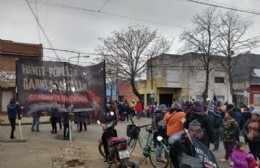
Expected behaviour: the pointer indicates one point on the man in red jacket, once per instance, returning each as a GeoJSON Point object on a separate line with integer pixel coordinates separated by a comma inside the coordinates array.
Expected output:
{"type": "Point", "coordinates": [138, 109]}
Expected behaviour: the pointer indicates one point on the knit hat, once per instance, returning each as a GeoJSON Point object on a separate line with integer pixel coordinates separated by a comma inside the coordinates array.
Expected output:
{"type": "Point", "coordinates": [194, 125]}
{"type": "Point", "coordinates": [162, 107]}
{"type": "Point", "coordinates": [256, 111]}
{"type": "Point", "coordinates": [195, 129]}
{"type": "Point", "coordinates": [176, 106]}
{"type": "Point", "coordinates": [197, 107]}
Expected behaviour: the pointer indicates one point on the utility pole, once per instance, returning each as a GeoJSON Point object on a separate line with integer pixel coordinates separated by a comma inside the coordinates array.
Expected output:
{"type": "Point", "coordinates": [151, 91]}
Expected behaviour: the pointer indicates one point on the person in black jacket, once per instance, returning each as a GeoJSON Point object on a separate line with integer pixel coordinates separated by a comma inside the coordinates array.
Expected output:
{"type": "Point", "coordinates": [198, 113]}
{"type": "Point", "coordinates": [66, 130]}
{"type": "Point", "coordinates": [54, 119]}
{"type": "Point", "coordinates": [12, 113]}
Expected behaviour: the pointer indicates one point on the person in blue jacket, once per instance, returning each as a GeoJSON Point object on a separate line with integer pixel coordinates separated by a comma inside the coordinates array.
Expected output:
{"type": "Point", "coordinates": [12, 114]}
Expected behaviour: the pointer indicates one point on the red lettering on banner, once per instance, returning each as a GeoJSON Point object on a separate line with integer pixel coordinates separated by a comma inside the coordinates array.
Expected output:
{"type": "Point", "coordinates": [73, 99]}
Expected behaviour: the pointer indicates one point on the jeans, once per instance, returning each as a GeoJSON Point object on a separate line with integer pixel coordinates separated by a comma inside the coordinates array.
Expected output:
{"type": "Point", "coordinates": [35, 124]}
{"type": "Point", "coordinates": [12, 123]}
{"type": "Point", "coordinates": [66, 131]}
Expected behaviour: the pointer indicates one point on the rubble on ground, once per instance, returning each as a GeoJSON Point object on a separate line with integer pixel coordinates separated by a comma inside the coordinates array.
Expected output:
{"type": "Point", "coordinates": [71, 156]}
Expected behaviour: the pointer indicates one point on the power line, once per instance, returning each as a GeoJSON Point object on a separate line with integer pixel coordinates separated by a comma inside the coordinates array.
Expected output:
{"type": "Point", "coordinates": [36, 18]}
{"type": "Point", "coordinates": [224, 7]}
{"type": "Point", "coordinates": [103, 6]}
{"type": "Point", "coordinates": [105, 13]}
{"type": "Point", "coordinates": [71, 51]}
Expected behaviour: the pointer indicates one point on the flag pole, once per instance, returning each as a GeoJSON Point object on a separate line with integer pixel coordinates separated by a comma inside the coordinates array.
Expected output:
{"type": "Point", "coordinates": [20, 128]}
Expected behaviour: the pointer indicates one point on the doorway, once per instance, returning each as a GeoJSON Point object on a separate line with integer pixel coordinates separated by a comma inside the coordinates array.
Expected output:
{"type": "Point", "coordinates": [166, 99]}
{"type": "Point", "coordinates": [6, 97]}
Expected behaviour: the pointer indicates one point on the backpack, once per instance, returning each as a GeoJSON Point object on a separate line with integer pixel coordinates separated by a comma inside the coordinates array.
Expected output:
{"type": "Point", "coordinates": [215, 119]}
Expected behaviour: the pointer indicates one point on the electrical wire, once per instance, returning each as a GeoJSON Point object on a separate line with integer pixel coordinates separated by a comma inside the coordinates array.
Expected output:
{"type": "Point", "coordinates": [37, 14]}
{"type": "Point", "coordinates": [103, 6]}
{"type": "Point", "coordinates": [38, 22]}
{"type": "Point", "coordinates": [105, 13]}
{"type": "Point", "coordinates": [224, 7]}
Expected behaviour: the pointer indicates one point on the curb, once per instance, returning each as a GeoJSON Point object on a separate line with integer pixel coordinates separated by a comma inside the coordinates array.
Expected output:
{"type": "Point", "coordinates": [26, 123]}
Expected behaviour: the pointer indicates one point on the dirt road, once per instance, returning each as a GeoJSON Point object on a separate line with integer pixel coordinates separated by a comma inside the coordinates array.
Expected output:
{"type": "Point", "coordinates": [41, 149]}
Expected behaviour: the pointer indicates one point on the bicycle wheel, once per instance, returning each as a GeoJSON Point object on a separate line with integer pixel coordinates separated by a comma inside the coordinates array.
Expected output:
{"type": "Point", "coordinates": [158, 159]}
{"type": "Point", "coordinates": [131, 143]}
{"type": "Point", "coordinates": [101, 150]}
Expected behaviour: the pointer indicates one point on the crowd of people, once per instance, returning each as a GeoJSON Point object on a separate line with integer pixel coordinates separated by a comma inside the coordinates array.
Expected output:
{"type": "Point", "coordinates": [212, 122]}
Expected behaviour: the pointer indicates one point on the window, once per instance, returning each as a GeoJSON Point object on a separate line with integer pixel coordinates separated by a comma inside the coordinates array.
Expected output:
{"type": "Point", "coordinates": [257, 99]}
{"type": "Point", "coordinates": [173, 75]}
{"type": "Point", "coordinates": [201, 76]}
{"type": "Point", "coordinates": [199, 98]}
{"type": "Point", "coordinates": [219, 77]}
{"type": "Point", "coordinates": [219, 80]}
{"type": "Point", "coordinates": [256, 72]}
{"type": "Point", "coordinates": [219, 97]}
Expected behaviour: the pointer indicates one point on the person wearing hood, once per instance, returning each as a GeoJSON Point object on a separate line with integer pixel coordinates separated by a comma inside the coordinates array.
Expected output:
{"type": "Point", "coordinates": [12, 114]}
{"type": "Point", "coordinates": [251, 131]}
{"type": "Point", "coordinates": [198, 113]}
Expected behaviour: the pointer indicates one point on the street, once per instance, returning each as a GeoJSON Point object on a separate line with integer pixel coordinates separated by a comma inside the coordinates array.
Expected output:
{"type": "Point", "coordinates": [42, 147]}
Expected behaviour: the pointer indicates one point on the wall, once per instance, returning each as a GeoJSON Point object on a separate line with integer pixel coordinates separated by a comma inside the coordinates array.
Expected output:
{"type": "Point", "coordinates": [9, 52]}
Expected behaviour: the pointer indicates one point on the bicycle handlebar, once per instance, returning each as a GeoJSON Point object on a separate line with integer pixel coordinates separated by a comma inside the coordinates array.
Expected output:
{"type": "Point", "coordinates": [142, 126]}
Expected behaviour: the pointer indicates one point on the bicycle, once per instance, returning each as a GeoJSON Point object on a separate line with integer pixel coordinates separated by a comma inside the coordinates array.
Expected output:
{"type": "Point", "coordinates": [148, 148]}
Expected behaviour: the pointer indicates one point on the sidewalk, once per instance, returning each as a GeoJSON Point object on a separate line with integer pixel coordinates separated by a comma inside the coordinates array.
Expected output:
{"type": "Point", "coordinates": [24, 120]}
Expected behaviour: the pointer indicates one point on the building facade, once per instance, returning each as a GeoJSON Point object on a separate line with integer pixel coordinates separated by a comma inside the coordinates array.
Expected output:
{"type": "Point", "coordinates": [247, 79]}
{"type": "Point", "coordinates": [176, 77]}
{"type": "Point", "coordinates": [10, 52]}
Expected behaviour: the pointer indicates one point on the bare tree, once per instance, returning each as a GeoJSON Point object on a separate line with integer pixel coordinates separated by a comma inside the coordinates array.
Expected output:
{"type": "Point", "coordinates": [128, 51]}
{"type": "Point", "coordinates": [110, 81]}
{"type": "Point", "coordinates": [202, 39]}
{"type": "Point", "coordinates": [232, 41]}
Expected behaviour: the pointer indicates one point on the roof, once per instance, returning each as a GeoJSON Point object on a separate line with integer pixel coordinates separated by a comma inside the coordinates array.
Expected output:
{"type": "Point", "coordinates": [8, 47]}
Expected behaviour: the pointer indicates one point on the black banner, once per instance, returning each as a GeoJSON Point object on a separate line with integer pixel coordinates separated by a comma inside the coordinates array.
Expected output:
{"type": "Point", "coordinates": [45, 84]}
{"type": "Point", "coordinates": [207, 157]}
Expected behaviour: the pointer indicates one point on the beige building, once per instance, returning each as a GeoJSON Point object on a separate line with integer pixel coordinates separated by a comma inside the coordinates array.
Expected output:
{"type": "Point", "coordinates": [182, 77]}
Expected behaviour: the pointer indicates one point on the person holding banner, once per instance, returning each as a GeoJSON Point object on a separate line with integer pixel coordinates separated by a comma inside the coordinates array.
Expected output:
{"type": "Point", "coordinates": [12, 114]}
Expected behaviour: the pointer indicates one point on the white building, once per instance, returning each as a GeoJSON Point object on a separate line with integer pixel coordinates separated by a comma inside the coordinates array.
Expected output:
{"type": "Point", "coordinates": [183, 76]}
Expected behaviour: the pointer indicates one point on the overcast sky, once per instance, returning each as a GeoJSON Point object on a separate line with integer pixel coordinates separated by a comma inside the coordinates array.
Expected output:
{"type": "Point", "coordinates": [76, 25]}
